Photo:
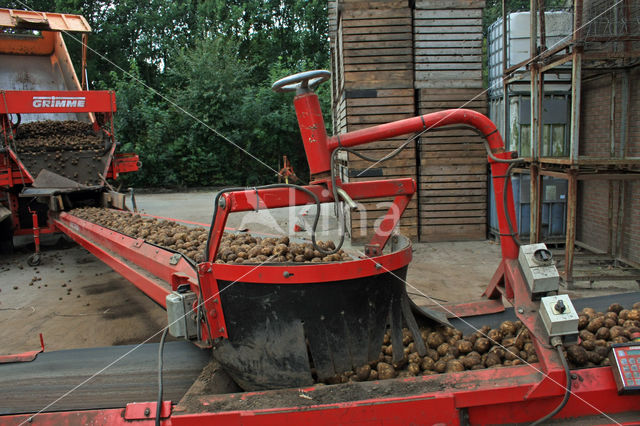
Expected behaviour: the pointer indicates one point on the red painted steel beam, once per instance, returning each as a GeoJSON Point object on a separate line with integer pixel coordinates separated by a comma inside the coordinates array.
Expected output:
{"type": "Point", "coordinates": [56, 101]}
{"type": "Point", "coordinates": [147, 266]}
{"type": "Point", "coordinates": [285, 197]}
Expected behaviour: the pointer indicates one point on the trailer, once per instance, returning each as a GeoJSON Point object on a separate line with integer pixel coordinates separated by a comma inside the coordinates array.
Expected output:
{"type": "Point", "coordinates": [58, 142]}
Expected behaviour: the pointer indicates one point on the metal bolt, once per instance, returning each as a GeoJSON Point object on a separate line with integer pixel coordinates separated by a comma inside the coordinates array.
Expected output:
{"type": "Point", "coordinates": [215, 300]}
{"type": "Point", "coordinates": [287, 274]}
{"type": "Point", "coordinates": [520, 311]}
{"type": "Point", "coordinates": [221, 330]}
{"type": "Point", "coordinates": [147, 411]}
{"type": "Point", "coordinates": [222, 203]}
{"type": "Point", "coordinates": [378, 266]}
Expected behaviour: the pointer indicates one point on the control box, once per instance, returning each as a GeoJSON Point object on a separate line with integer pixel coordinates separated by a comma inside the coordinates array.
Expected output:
{"type": "Point", "coordinates": [536, 262]}
{"type": "Point", "coordinates": [625, 362]}
{"type": "Point", "coordinates": [559, 316]}
{"type": "Point", "coordinates": [182, 318]}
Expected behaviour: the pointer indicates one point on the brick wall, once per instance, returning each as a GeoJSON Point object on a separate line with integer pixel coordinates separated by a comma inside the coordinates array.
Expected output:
{"type": "Point", "coordinates": [594, 226]}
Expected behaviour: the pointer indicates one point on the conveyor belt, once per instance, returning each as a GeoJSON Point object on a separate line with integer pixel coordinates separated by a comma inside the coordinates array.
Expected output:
{"type": "Point", "coordinates": [30, 386]}
{"type": "Point", "coordinates": [600, 304]}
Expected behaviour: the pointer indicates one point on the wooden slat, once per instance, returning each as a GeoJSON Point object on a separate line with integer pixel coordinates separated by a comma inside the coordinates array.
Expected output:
{"type": "Point", "coordinates": [454, 170]}
{"type": "Point", "coordinates": [366, 102]}
{"type": "Point", "coordinates": [454, 213]}
{"type": "Point", "coordinates": [457, 159]}
{"type": "Point", "coordinates": [450, 4]}
{"type": "Point", "coordinates": [380, 52]}
{"type": "Point", "coordinates": [443, 22]}
{"type": "Point", "coordinates": [475, 38]}
{"type": "Point", "coordinates": [379, 109]}
{"type": "Point", "coordinates": [453, 178]}
{"type": "Point", "coordinates": [377, 36]}
{"type": "Point", "coordinates": [395, 44]}
{"type": "Point", "coordinates": [437, 66]}
{"type": "Point", "coordinates": [408, 58]}
{"type": "Point", "coordinates": [453, 221]}
{"type": "Point", "coordinates": [359, 14]}
{"type": "Point", "coordinates": [452, 207]}
{"type": "Point", "coordinates": [474, 29]}
{"type": "Point", "coordinates": [390, 66]}
{"type": "Point", "coordinates": [453, 185]}
{"type": "Point", "coordinates": [449, 200]}
{"type": "Point", "coordinates": [463, 192]}
{"type": "Point", "coordinates": [444, 83]}
{"type": "Point", "coordinates": [445, 13]}
{"type": "Point", "coordinates": [436, 233]}
{"type": "Point", "coordinates": [455, 58]}
{"type": "Point", "coordinates": [388, 26]}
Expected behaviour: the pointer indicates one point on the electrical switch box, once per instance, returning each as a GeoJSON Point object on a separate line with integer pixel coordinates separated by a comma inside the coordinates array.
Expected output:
{"type": "Point", "coordinates": [559, 316]}
{"type": "Point", "coordinates": [182, 318]}
{"type": "Point", "coordinates": [536, 262]}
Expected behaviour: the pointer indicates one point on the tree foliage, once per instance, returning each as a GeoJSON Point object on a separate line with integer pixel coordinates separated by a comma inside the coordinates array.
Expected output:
{"type": "Point", "coordinates": [192, 81]}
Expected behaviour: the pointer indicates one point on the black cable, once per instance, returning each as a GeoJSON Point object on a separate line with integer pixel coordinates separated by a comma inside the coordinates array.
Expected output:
{"type": "Point", "coordinates": [567, 391]}
{"type": "Point", "coordinates": [507, 184]}
{"type": "Point", "coordinates": [160, 348]}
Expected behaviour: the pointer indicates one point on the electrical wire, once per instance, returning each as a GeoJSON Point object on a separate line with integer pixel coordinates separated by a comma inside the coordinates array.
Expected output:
{"type": "Point", "coordinates": [160, 349]}
{"type": "Point", "coordinates": [507, 184]}
{"type": "Point", "coordinates": [567, 391]}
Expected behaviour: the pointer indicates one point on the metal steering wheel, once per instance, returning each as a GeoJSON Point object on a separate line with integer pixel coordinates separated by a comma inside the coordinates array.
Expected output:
{"type": "Point", "coordinates": [301, 80]}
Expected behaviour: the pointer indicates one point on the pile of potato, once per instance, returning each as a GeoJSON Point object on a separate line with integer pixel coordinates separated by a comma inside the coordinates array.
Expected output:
{"type": "Point", "coordinates": [510, 344]}
{"type": "Point", "coordinates": [598, 331]}
{"type": "Point", "coordinates": [50, 135]}
{"type": "Point", "coordinates": [192, 241]}
{"type": "Point", "coordinates": [449, 351]}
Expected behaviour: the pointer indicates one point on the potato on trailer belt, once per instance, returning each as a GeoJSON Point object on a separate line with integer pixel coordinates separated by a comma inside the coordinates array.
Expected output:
{"type": "Point", "coordinates": [69, 148]}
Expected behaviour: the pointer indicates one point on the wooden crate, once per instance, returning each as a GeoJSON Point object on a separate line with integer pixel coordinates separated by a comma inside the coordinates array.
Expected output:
{"type": "Point", "coordinates": [448, 43]}
{"type": "Point", "coordinates": [453, 172]}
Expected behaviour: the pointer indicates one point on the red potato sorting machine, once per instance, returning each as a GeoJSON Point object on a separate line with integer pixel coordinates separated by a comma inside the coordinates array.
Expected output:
{"type": "Point", "coordinates": [277, 328]}
{"type": "Point", "coordinates": [38, 86]}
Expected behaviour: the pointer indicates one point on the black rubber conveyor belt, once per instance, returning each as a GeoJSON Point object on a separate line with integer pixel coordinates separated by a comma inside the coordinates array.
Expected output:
{"type": "Point", "coordinates": [30, 386]}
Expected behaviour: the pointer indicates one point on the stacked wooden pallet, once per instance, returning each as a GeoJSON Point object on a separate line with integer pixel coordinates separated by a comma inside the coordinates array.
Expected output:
{"type": "Point", "coordinates": [375, 86]}
{"type": "Point", "coordinates": [448, 74]}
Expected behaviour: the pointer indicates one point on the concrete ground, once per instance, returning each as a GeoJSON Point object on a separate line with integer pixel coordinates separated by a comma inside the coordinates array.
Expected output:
{"type": "Point", "coordinates": [76, 301]}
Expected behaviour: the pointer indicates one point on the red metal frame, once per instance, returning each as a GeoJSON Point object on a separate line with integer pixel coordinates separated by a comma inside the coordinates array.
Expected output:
{"type": "Point", "coordinates": [57, 101]}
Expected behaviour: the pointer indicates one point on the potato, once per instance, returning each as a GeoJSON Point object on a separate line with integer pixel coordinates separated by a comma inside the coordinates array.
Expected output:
{"type": "Point", "coordinates": [577, 354]}
{"type": "Point", "coordinates": [615, 307]}
{"type": "Point", "coordinates": [634, 315]}
{"type": "Point", "coordinates": [363, 372]}
{"type": "Point", "coordinates": [443, 349]}
{"type": "Point", "coordinates": [583, 321]}
{"type": "Point", "coordinates": [373, 375]}
{"type": "Point", "coordinates": [492, 359]}
{"type": "Point", "coordinates": [453, 366]}
{"type": "Point", "coordinates": [602, 333]}
{"type": "Point", "coordinates": [508, 328]}
{"type": "Point", "coordinates": [595, 324]}
{"type": "Point", "coordinates": [414, 358]}
{"type": "Point", "coordinates": [636, 305]}
{"type": "Point", "coordinates": [464, 346]}
{"type": "Point", "coordinates": [427, 363]}
{"type": "Point", "coordinates": [413, 368]}
{"type": "Point", "coordinates": [435, 339]}
{"type": "Point", "coordinates": [495, 336]}
{"type": "Point", "coordinates": [440, 366]}
{"type": "Point", "coordinates": [482, 345]}
{"type": "Point", "coordinates": [586, 335]}
{"type": "Point", "coordinates": [385, 371]}
{"type": "Point", "coordinates": [589, 345]}
{"type": "Point", "coordinates": [473, 358]}
{"type": "Point", "coordinates": [511, 353]}
{"type": "Point", "coordinates": [594, 357]}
